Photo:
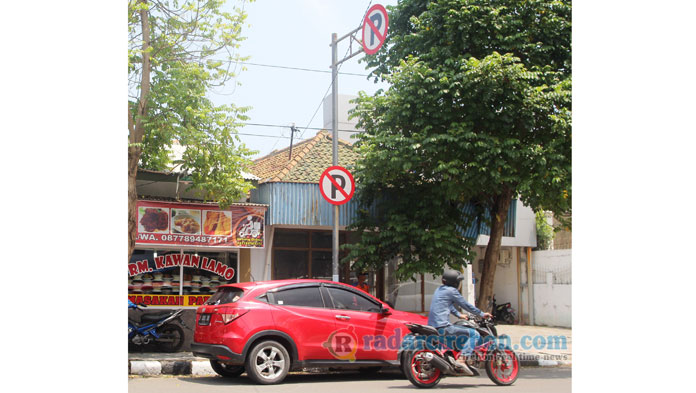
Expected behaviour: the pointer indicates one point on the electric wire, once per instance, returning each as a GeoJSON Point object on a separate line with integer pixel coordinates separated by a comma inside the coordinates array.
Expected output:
{"type": "Point", "coordinates": [282, 126]}
{"type": "Point", "coordinates": [300, 69]}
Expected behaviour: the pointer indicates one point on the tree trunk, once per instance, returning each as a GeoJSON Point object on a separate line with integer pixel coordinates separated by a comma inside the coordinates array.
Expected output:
{"type": "Point", "coordinates": [501, 205]}
{"type": "Point", "coordinates": [136, 130]}
{"type": "Point", "coordinates": [133, 158]}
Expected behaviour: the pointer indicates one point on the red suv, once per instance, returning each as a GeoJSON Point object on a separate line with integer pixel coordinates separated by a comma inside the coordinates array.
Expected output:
{"type": "Point", "coordinates": [269, 328]}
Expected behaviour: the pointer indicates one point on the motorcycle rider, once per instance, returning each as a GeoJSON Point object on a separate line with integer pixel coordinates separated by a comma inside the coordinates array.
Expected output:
{"type": "Point", "coordinates": [444, 299]}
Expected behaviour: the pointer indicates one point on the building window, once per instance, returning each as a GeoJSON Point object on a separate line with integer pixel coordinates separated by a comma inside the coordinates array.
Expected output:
{"type": "Point", "coordinates": [304, 254]}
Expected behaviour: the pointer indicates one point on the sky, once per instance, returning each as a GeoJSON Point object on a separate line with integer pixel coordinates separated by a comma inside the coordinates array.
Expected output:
{"type": "Point", "coordinates": [294, 33]}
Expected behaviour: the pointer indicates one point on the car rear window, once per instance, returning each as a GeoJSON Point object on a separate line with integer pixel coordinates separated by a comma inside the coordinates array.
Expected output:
{"type": "Point", "coordinates": [303, 297]}
{"type": "Point", "coordinates": [225, 296]}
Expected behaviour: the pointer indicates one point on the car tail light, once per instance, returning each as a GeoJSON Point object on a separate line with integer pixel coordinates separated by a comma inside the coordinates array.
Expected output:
{"type": "Point", "coordinates": [230, 315]}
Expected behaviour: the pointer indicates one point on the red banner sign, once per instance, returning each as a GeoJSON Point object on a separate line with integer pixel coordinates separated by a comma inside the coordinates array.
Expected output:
{"type": "Point", "coordinates": [169, 300]}
{"type": "Point", "coordinates": [190, 224]}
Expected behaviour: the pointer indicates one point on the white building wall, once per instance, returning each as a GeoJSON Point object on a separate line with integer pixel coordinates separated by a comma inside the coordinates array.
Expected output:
{"type": "Point", "coordinates": [552, 305]}
{"type": "Point", "coordinates": [344, 105]}
{"type": "Point", "coordinates": [409, 297]}
{"type": "Point", "coordinates": [257, 262]}
{"type": "Point", "coordinates": [505, 285]}
{"type": "Point", "coordinates": [552, 287]}
{"type": "Point", "coordinates": [525, 230]}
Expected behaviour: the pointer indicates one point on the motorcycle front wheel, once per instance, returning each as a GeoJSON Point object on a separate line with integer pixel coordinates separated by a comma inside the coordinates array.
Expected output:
{"type": "Point", "coordinates": [171, 338]}
{"type": "Point", "coordinates": [502, 367]}
{"type": "Point", "coordinates": [419, 372]}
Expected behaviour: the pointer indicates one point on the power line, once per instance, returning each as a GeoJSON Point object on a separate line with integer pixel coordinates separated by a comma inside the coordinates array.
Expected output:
{"type": "Point", "coordinates": [267, 136]}
{"type": "Point", "coordinates": [301, 69]}
{"type": "Point", "coordinates": [282, 126]}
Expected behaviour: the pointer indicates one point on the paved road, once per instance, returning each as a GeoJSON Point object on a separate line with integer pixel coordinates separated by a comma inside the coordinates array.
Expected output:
{"type": "Point", "coordinates": [533, 379]}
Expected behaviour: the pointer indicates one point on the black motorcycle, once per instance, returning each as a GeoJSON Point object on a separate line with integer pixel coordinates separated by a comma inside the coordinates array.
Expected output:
{"type": "Point", "coordinates": [503, 313]}
{"type": "Point", "coordinates": [426, 357]}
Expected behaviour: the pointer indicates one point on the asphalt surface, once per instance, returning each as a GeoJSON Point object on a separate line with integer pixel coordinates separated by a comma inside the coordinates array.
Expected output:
{"type": "Point", "coordinates": [534, 379]}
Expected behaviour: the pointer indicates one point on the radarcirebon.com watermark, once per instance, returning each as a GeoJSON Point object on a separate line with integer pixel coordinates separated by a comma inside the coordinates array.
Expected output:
{"type": "Point", "coordinates": [344, 344]}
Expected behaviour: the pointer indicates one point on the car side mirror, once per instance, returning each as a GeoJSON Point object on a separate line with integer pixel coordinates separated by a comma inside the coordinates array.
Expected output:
{"type": "Point", "coordinates": [386, 311]}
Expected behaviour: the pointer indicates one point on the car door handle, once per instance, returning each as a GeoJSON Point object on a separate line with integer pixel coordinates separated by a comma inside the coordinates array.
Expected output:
{"type": "Point", "coordinates": [343, 317]}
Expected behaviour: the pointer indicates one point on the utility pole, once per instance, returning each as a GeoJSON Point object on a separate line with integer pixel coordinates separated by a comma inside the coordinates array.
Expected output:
{"type": "Point", "coordinates": [293, 130]}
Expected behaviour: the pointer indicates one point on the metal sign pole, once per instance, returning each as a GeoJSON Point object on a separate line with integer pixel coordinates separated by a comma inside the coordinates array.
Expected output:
{"type": "Point", "coordinates": [334, 130]}
{"type": "Point", "coordinates": [352, 52]}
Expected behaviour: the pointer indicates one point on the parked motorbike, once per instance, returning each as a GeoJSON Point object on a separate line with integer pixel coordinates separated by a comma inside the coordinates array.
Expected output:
{"type": "Point", "coordinates": [157, 328]}
{"type": "Point", "coordinates": [426, 363]}
{"type": "Point", "coordinates": [503, 313]}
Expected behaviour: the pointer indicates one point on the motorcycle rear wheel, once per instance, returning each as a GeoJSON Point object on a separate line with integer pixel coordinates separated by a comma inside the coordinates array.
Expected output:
{"type": "Point", "coordinates": [171, 338]}
{"type": "Point", "coordinates": [420, 373]}
{"type": "Point", "coordinates": [503, 367]}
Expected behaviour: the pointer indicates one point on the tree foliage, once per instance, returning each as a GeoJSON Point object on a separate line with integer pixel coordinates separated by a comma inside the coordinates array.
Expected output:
{"type": "Point", "coordinates": [178, 52]}
{"type": "Point", "coordinates": [544, 232]}
{"type": "Point", "coordinates": [478, 111]}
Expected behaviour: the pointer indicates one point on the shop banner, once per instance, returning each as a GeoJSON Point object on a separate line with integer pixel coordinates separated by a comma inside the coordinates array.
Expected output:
{"type": "Point", "coordinates": [169, 300]}
{"type": "Point", "coordinates": [163, 262]}
{"type": "Point", "coordinates": [188, 224]}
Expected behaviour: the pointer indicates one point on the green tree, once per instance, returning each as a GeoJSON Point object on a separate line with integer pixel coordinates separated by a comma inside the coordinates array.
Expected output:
{"type": "Point", "coordinates": [544, 231]}
{"type": "Point", "coordinates": [478, 112]}
{"type": "Point", "coordinates": [179, 51]}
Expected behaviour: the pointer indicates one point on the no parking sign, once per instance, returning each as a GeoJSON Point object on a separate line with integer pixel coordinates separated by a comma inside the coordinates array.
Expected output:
{"type": "Point", "coordinates": [337, 185]}
{"type": "Point", "coordinates": [375, 29]}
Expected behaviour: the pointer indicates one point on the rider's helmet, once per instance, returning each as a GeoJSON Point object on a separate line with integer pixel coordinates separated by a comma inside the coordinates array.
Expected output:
{"type": "Point", "coordinates": [452, 278]}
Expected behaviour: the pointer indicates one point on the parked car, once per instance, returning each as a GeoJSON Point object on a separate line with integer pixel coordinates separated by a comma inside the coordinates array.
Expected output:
{"type": "Point", "coordinates": [269, 328]}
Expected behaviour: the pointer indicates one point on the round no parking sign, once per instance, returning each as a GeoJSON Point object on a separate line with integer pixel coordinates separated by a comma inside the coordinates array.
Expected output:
{"type": "Point", "coordinates": [337, 185]}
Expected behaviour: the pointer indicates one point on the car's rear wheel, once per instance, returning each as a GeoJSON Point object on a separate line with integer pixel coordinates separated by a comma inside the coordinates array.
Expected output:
{"type": "Point", "coordinates": [226, 370]}
{"type": "Point", "coordinates": [268, 362]}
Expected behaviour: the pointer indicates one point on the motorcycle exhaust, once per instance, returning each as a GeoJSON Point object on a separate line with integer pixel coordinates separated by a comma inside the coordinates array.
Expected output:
{"type": "Point", "coordinates": [439, 363]}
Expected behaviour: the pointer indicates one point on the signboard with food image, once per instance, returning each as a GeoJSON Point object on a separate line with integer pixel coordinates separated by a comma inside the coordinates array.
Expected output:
{"type": "Point", "coordinates": [191, 224]}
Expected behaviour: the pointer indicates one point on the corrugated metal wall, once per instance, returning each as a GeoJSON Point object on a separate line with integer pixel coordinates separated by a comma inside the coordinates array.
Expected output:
{"type": "Point", "coordinates": [476, 227]}
{"type": "Point", "coordinates": [509, 229]}
{"type": "Point", "coordinates": [302, 204]}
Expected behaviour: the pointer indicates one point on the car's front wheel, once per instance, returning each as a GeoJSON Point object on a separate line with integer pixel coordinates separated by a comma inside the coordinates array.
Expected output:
{"type": "Point", "coordinates": [268, 362]}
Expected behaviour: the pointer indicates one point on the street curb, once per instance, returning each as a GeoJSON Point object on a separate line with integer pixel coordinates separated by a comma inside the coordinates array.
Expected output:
{"type": "Point", "coordinates": [202, 368]}
{"type": "Point", "coordinates": [170, 367]}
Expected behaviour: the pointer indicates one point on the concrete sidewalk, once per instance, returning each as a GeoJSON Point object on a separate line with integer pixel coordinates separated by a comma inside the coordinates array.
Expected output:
{"type": "Point", "coordinates": [524, 337]}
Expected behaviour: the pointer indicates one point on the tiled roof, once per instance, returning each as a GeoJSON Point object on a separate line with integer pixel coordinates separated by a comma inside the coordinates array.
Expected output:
{"type": "Point", "coordinates": [309, 159]}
